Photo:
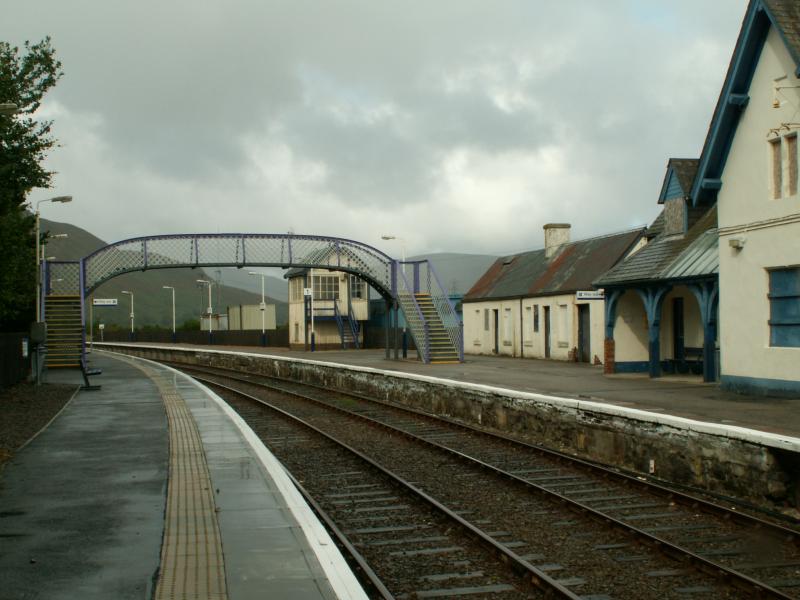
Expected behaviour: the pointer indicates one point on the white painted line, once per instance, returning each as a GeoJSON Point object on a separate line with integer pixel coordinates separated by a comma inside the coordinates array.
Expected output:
{"type": "Point", "coordinates": [340, 576]}
{"type": "Point", "coordinates": [733, 432]}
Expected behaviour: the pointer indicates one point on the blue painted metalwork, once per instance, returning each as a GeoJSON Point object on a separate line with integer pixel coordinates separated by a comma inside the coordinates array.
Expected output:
{"type": "Point", "coordinates": [612, 300]}
{"type": "Point", "coordinates": [707, 294]}
{"type": "Point", "coordinates": [653, 298]}
{"type": "Point", "coordinates": [784, 307]}
{"type": "Point", "coordinates": [754, 31]}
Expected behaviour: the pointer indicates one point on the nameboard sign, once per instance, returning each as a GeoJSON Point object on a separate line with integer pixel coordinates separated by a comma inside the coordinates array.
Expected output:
{"type": "Point", "coordinates": [104, 302]}
{"type": "Point", "coordinates": [589, 295]}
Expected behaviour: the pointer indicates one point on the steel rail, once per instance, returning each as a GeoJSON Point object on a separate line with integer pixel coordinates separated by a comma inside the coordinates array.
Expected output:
{"type": "Point", "coordinates": [775, 530]}
{"type": "Point", "coordinates": [361, 563]}
{"type": "Point", "coordinates": [522, 567]}
{"type": "Point", "coordinates": [674, 551]}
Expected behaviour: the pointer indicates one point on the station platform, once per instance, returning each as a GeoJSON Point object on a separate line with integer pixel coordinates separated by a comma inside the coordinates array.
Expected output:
{"type": "Point", "coordinates": [680, 396]}
{"type": "Point", "coordinates": [152, 487]}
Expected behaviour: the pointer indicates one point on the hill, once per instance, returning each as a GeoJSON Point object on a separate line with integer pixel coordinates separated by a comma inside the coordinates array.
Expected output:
{"type": "Point", "coordinates": [458, 272]}
{"type": "Point", "coordinates": [152, 303]}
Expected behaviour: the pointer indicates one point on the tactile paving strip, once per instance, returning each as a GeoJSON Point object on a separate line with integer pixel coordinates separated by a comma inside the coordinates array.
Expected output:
{"type": "Point", "coordinates": [192, 565]}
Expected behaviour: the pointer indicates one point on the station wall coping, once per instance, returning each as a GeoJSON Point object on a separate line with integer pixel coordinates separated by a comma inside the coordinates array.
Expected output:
{"type": "Point", "coordinates": [753, 436]}
{"type": "Point", "coordinates": [339, 573]}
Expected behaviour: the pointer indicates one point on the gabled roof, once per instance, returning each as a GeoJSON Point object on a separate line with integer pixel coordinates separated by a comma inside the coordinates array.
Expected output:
{"type": "Point", "coordinates": [322, 256]}
{"type": "Point", "coordinates": [679, 178]}
{"type": "Point", "coordinates": [572, 268]}
{"type": "Point", "coordinates": [784, 15]}
{"type": "Point", "coordinates": [671, 256]}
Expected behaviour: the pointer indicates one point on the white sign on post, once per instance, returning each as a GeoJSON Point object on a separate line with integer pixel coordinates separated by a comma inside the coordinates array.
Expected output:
{"type": "Point", "coordinates": [589, 295]}
{"type": "Point", "coordinates": [307, 292]}
{"type": "Point", "coordinates": [104, 302]}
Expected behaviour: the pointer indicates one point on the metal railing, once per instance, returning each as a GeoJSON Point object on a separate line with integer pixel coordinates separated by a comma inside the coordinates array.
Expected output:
{"type": "Point", "coordinates": [417, 324]}
{"type": "Point", "coordinates": [426, 281]}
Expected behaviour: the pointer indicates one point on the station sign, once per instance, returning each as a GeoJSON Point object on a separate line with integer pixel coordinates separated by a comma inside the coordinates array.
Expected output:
{"type": "Point", "coordinates": [104, 302]}
{"type": "Point", "coordinates": [590, 295]}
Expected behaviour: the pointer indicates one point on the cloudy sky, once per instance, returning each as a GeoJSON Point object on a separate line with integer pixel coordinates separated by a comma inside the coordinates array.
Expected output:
{"type": "Point", "coordinates": [457, 125]}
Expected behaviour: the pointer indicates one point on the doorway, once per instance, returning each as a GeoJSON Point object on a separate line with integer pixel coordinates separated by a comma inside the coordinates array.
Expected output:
{"type": "Point", "coordinates": [496, 315]}
{"type": "Point", "coordinates": [547, 332]}
{"type": "Point", "coordinates": [678, 334]}
{"type": "Point", "coordinates": [584, 337]}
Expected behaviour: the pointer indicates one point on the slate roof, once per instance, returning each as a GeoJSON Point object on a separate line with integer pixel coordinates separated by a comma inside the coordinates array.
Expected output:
{"type": "Point", "coordinates": [787, 17]}
{"type": "Point", "coordinates": [572, 268]}
{"type": "Point", "coordinates": [662, 258]}
{"type": "Point", "coordinates": [685, 169]}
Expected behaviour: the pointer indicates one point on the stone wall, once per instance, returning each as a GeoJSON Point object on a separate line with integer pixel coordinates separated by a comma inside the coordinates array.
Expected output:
{"type": "Point", "coordinates": [681, 451]}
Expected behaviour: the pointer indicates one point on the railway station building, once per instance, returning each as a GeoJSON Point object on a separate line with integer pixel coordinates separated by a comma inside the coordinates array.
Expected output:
{"type": "Point", "coordinates": [541, 304]}
{"type": "Point", "coordinates": [661, 302]}
{"type": "Point", "coordinates": [749, 167]}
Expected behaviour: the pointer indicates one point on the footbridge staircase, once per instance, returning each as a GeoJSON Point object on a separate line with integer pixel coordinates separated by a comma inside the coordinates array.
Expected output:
{"type": "Point", "coordinates": [408, 287]}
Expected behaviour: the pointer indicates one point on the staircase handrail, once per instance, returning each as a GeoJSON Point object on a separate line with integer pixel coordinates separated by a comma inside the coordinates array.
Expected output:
{"type": "Point", "coordinates": [417, 324]}
{"type": "Point", "coordinates": [354, 327]}
{"type": "Point", "coordinates": [447, 312]}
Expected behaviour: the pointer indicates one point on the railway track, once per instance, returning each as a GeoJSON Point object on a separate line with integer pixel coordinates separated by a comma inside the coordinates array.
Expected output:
{"type": "Point", "coordinates": [594, 532]}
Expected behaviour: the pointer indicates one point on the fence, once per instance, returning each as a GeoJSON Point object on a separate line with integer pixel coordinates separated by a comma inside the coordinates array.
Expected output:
{"type": "Point", "coordinates": [14, 367]}
{"type": "Point", "coordinates": [275, 338]}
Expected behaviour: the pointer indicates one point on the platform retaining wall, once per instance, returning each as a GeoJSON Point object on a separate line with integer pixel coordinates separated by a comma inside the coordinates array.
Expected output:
{"type": "Point", "coordinates": [759, 467]}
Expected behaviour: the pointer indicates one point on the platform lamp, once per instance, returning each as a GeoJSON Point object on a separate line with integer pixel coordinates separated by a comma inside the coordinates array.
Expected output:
{"type": "Point", "coordinates": [403, 262]}
{"type": "Point", "coordinates": [127, 293]}
{"type": "Point", "coordinates": [63, 200]}
{"type": "Point", "coordinates": [263, 308]}
{"type": "Point", "coordinates": [209, 284]}
{"type": "Point", "coordinates": [169, 287]}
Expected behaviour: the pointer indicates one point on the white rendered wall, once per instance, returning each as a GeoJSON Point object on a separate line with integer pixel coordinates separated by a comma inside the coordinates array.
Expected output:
{"type": "Point", "coordinates": [630, 329]}
{"type": "Point", "coordinates": [744, 203]}
{"type": "Point", "coordinates": [523, 340]}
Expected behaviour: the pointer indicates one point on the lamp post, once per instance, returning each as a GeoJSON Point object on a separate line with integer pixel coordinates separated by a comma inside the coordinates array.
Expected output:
{"type": "Point", "coordinates": [62, 199]}
{"type": "Point", "coordinates": [127, 293]}
{"type": "Point", "coordinates": [403, 262]}
{"type": "Point", "coordinates": [209, 284]}
{"type": "Point", "coordinates": [263, 308]}
{"type": "Point", "coordinates": [169, 287]}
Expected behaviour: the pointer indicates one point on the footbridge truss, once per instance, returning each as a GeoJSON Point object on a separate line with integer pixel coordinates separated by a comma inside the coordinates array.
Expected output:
{"type": "Point", "coordinates": [410, 287]}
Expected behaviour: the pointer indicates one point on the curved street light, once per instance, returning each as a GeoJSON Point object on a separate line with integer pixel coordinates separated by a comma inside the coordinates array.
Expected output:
{"type": "Point", "coordinates": [169, 287]}
{"type": "Point", "coordinates": [63, 200]}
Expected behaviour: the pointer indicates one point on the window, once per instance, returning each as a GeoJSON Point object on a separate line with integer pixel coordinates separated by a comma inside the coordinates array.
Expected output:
{"type": "Point", "coordinates": [535, 318]}
{"type": "Point", "coordinates": [358, 287]}
{"type": "Point", "coordinates": [784, 307]}
{"type": "Point", "coordinates": [563, 341]}
{"type": "Point", "coordinates": [296, 289]}
{"type": "Point", "coordinates": [326, 287]}
{"type": "Point", "coordinates": [783, 165]}
{"type": "Point", "coordinates": [508, 324]}
{"type": "Point", "coordinates": [777, 169]}
{"type": "Point", "coordinates": [486, 319]}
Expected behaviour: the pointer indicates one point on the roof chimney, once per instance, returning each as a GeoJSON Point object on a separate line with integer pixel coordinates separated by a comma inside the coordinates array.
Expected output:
{"type": "Point", "coordinates": [555, 236]}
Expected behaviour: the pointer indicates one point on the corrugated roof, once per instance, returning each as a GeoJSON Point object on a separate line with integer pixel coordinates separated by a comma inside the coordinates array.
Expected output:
{"type": "Point", "coordinates": [569, 270]}
{"type": "Point", "coordinates": [652, 262]}
{"type": "Point", "coordinates": [700, 258]}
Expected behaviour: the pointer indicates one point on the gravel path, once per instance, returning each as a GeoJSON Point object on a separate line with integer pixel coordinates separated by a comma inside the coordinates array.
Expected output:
{"type": "Point", "coordinates": [25, 409]}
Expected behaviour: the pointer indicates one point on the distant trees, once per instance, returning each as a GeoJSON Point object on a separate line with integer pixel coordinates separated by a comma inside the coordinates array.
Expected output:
{"type": "Point", "coordinates": [24, 144]}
